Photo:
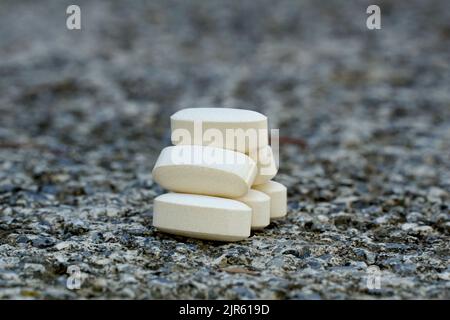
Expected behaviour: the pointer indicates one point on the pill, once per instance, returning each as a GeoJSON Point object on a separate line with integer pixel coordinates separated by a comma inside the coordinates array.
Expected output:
{"type": "Point", "coordinates": [204, 170]}
{"type": "Point", "coordinates": [278, 198]}
{"type": "Point", "coordinates": [233, 129]}
{"type": "Point", "coordinates": [266, 164]}
{"type": "Point", "coordinates": [203, 217]}
{"type": "Point", "coordinates": [259, 202]}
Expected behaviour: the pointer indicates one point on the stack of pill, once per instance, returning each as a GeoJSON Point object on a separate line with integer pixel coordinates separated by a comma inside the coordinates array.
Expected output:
{"type": "Point", "coordinates": [219, 173]}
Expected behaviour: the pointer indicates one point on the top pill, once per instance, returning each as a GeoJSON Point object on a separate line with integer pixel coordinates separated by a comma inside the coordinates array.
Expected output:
{"type": "Point", "coordinates": [234, 129]}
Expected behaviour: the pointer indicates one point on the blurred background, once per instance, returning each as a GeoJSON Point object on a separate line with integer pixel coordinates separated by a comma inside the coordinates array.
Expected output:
{"type": "Point", "coordinates": [364, 119]}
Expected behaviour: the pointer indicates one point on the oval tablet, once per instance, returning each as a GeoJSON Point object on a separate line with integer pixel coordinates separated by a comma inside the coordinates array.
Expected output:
{"type": "Point", "coordinates": [259, 202]}
{"type": "Point", "coordinates": [227, 128]}
{"type": "Point", "coordinates": [266, 164]}
{"type": "Point", "coordinates": [278, 198]}
{"type": "Point", "coordinates": [204, 170]}
{"type": "Point", "coordinates": [203, 217]}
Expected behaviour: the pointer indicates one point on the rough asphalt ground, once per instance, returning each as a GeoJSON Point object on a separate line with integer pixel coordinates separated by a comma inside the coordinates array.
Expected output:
{"type": "Point", "coordinates": [365, 120]}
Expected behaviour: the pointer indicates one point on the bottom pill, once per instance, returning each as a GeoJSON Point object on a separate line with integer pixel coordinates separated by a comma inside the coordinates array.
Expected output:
{"type": "Point", "coordinates": [202, 217]}
{"type": "Point", "coordinates": [259, 202]}
{"type": "Point", "coordinates": [278, 198]}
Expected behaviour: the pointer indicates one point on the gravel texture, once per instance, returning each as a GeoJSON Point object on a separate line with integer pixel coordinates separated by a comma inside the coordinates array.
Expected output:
{"type": "Point", "coordinates": [364, 118]}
